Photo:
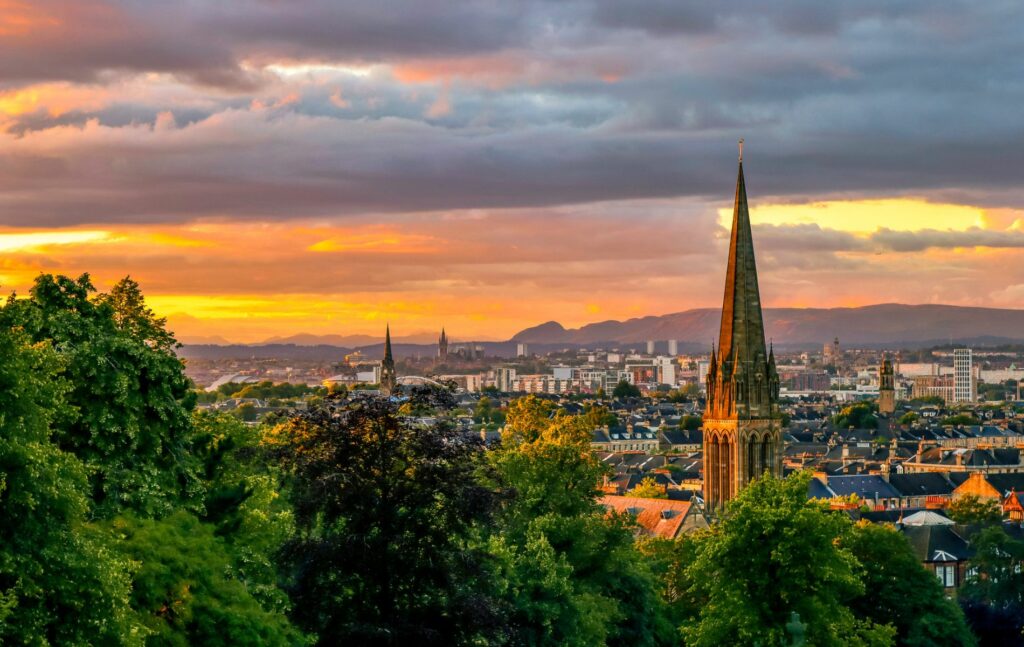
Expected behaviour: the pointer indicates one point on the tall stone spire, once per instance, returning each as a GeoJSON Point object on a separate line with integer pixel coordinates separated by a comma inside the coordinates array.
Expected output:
{"type": "Point", "coordinates": [442, 346]}
{"type": "Point", "coordinates": [742, 433]}
{"type": "Point", "coordinates": [741, 335]}
{"type": "Point", "coordinates": [746, 382]}
{"type": "Point", "coordinates": [388, 379]}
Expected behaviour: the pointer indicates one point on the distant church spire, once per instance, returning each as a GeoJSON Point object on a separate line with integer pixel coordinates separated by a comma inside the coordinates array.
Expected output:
{"type": "Point", "coordinates": [442, 346]}
{"type": "Point", "coordinates": [742, 432]}
{"type": "Point", "coordinates": [388, 379]}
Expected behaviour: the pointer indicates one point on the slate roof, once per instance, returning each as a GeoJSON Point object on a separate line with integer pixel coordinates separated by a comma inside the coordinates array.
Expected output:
{"type": "Point", "coordinates": [866, 486]}
{"type": "Point", "coordinates": [921, 484]}
{"type": "Point", "coordinates": [1006, 483]}
{"type": "Point", "coordinates": [937, 543]}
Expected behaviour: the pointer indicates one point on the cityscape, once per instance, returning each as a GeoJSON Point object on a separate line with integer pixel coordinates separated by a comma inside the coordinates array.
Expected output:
{"type": "Point", "coordinates": [534, 324]}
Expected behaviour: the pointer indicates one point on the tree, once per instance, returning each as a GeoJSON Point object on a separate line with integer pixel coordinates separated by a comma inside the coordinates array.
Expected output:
{"type": "Point", "coordinates": [570, 573]}
{"type": "Point", "coordinates": [859, 416]}
{"type": "Point", "coordinates": [183, 591]}
{"type": "Point", "coordinates": [898, 590]}
{"type": "Point", "coordinates": [908, 418]}
{"type": "Point", "coordinates": [58, 583]}
{"type": "Point", "coordinates": [993, 593]}
{"type": "Point", "coordinates": [242, 503]}
{"type": "Point", "coordinates": [774, 553]}
{"type": "Point", "coordinates": [625, 390]}
{"type": "Point", "coordinates": [960, 419]}
{"type": "Point", "coordinates": [133, 402]}
{"type": "Point", "coordinates": [649, 489]}
{"type": "Point", "coordinates": [691, 423]}
{"type": "Point", "coordinates": [598, 416]}
{"type": "Point", "coordinates": [974, 511]}
{"type": "Point", "coordinates": [385, 509]}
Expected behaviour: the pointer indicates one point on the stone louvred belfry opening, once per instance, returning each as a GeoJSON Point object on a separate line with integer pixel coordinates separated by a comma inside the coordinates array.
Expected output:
{"type": "Point", "coordinates": [742, 429]}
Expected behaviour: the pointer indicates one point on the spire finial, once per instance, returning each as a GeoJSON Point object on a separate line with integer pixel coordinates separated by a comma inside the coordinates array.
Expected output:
{"type": "Point", "coordinates": [741, 150]}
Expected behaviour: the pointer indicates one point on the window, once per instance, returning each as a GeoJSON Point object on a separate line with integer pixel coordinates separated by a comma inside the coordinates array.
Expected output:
{"type": "Point", "coordinates": [946, 574]}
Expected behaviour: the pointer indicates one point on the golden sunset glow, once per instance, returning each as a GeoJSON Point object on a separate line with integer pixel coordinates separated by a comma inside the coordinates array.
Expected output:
{"type": "Point", "coordinates": [476, 171]}
{"type": "Point", "coordinates": [866, 216]}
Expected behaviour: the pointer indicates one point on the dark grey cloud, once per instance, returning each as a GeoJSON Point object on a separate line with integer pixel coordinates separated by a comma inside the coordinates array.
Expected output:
{"type": "Point", "coordinates": [916, 241]}
{"type": "Point", "coordinates": [533, 104]}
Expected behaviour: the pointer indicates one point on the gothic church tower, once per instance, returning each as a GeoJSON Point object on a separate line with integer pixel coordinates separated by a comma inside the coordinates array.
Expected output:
{"type": "Point", "coordinates": [742, 428]}
{"type": "Point", "coordinates": [388, 378]}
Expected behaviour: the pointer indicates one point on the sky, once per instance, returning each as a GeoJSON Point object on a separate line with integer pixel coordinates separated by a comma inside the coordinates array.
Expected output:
{"type": "Point", "coordinates": [264, 168]}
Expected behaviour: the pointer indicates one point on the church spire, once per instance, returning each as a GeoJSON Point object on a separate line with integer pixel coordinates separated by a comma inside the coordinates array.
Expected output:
{"type": "Point", "coordinates": [388, 379]}
{"type": "Point", "coordinates": [745, 385]}
{"type": "Point", "coordinates": [741, 335]}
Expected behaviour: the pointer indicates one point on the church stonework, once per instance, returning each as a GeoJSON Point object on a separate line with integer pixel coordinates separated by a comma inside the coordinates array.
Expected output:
{"type": "Point", "coordinates": [388, 377]}
{"type": "Point", "coordinates": [886, 387]}
{"type": "Point", "coordinates": [742, 426]}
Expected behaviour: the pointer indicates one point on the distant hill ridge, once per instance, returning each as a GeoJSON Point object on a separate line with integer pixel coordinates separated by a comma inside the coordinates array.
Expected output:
{"type": "Point", "coordinates": [874, 324]}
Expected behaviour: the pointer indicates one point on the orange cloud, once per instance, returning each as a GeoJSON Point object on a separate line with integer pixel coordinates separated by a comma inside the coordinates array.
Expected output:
{"type": "Point", "coordinates": [23, 18]}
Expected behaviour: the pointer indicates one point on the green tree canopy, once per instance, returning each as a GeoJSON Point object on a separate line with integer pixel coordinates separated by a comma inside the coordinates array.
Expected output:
{"type": "Point", "coordinates": [58, 583]}
{"type": "Point", "coordinates": [649, 489]}
{"type": "Point", "coordinates": [384, 510]}
{"type": "Point", "coordinates": [774, 553]}
{"type": "Point", "coordinates": [625, 390]}
{"type": "Point", "coordinates": [859, 416]}
{"type": "Point", "coordinates": [571, 574]}
{"type": "Point", "coordinates": [184, 592]}
{"type": "Point", "coordinates": [128, 389]}
{"type": "Point", "coordinates": [974, 511]}
{"type": "Point", "coordinates": [898, 590]}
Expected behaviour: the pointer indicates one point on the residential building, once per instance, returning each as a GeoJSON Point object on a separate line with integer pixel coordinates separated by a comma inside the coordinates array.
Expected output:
{"type": "Point", "coordinates": [664, 518]}
{"type": "Point", "coordinates": [965, 388]}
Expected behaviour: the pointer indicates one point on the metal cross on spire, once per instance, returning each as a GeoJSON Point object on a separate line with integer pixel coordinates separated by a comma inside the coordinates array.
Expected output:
{"type": "Point", "coordinates": [741, 149]}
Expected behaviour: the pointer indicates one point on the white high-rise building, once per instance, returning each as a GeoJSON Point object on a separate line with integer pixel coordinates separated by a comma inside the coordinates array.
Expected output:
{"type": "Point", "coordinates": [673, 347]}
{"type": "Point", "coordinates": [965, 388]}
{"type": "Point", "coordinates": [702, 372]}
{"type": "Point", "coordinates": [650, 346]}
{"type": "Point", "coordinates": [522, 350]}
{"type": "Point", "coordinates": [504, 378]}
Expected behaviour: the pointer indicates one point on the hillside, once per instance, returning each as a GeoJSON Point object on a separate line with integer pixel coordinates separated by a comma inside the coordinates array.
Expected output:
{"type": "Point", "coordinates": [888, 323]}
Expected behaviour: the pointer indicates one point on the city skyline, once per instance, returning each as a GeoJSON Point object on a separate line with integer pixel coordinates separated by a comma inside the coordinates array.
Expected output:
{"type": "Point", "coordinates": [264, 173]}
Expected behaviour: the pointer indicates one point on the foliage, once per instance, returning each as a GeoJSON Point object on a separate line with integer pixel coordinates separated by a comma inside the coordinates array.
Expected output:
{"type": "Point", "coordinates": [267, 390]}
{"type": "Point", "coordinates": [960, 419]}
{"type": "Point", "coordinates": [570, 573]}
{"type": "Point", "coordinates": [929, 399]}
{"type": "Point", "coordinates": [993, 594]}
{"type": "Point", "coordinates": [859, 416]}
{"type": "Point", "coordinates": [183, 591]}
{"type": "Point", "coordinates": [58, 583]}
{"type": "Point", "coordinates": [384, 511]}
{"type": "Point", "coordinates": [898, 591]}
{"type": "Point", "coordinates": [599, 416]}
{"type": "Point", "coordinates": [243, 503]}
{"type": "Point", "coordinates": [773, 553]}
{"type": "Point", "coordinates": [691, 423]}
{"type": "Point", "coordinates": [625, 390]}
{"type": "Point", "coordinates": [128, 389]}
{"type": "Point", "coordinates": [972, 510]}
{"type": "Point", "coordinates": [997, 569]}
{"type": "Point", "coordinates": [649, 489]}
{"type": "Point", "coordinates": [487, 413]}
{"type": "Point", "coordinates": [686, 393]}
{"type": "Point", "coordinates": [908, 418]}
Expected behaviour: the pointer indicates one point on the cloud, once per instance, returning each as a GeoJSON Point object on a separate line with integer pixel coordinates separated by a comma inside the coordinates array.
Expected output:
{"type": "Point", "coordinates": [915, 241]}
